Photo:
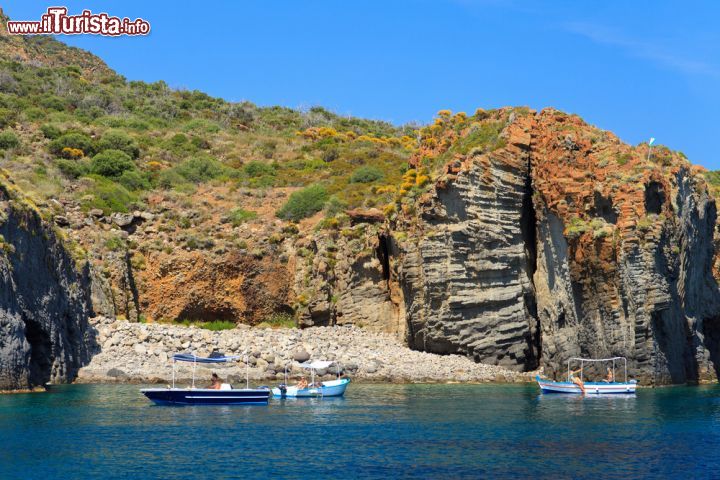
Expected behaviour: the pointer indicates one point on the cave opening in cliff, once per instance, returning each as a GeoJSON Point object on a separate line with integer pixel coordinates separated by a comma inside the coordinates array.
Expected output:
{"type": "Point", "coordinates": [528, 229]}
{"type": "Point", "coordinates": [40, 352]}
{"type": "Point", "coordinates": [383, 254]}
{"type": "Point", "coordinates": [654, 198]}
{"type": "Point", "coordinates": [711, 336]}
{"type": "Point", "coordinates": [603, 207]}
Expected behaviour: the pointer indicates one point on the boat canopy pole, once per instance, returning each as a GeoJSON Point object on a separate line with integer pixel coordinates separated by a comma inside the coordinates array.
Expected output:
{"type": "Point", "coordinates": [611, 359]}
{"type": "Point", "coordinates": [247, 370]}
{"type": "Point", "coordinates": [193, 380]}
{"type": "Point", "coordinates": [625, 370]}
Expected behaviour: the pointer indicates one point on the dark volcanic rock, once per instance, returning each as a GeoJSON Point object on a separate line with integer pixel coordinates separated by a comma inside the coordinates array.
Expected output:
{"type": "Point", "coordinates": [44, 306]}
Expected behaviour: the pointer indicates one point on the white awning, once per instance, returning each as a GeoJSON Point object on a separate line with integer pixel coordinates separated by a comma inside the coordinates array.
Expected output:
{"type": "Point", "coordinates": [317, 364]}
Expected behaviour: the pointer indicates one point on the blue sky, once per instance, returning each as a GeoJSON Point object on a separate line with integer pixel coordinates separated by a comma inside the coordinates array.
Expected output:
{"type": "Point", "coordinates": [639, 68]}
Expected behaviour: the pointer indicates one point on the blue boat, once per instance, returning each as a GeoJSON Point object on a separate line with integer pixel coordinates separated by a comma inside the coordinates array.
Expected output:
{"type": "Point", "coordinates": [577, 384]}
{"type": "Point", "coordinates": [331, 388]}
{"type": "Point", "coordinates": [225, 395]}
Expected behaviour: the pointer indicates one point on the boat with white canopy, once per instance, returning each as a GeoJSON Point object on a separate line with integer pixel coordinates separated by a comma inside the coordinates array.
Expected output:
{"type": "Point", "coordinates": [316, 388]}
{"type": "Point", "coordinates": [572, 385]}
{"type": "Point", "coordinates": [225, 395]}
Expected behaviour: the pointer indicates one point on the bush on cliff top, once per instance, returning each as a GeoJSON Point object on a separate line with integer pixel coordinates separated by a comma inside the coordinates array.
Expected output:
{"type": "Point", "coordinates": [107, 195]}
{"type": "Point", "coordinates": [304, 203]}
{"type": "Point", "coordinates": [366, 174]}
{"type": "Point", "coordinates": [8, 140]}
{"type": "Point", "coordinates": [201, 169]}
{"type": "Point", "coordinates": [74, 140]}
{"type": "Point", "coordinates": [111, 163]}
{"type": "Point", "coordinates": [119, 140]}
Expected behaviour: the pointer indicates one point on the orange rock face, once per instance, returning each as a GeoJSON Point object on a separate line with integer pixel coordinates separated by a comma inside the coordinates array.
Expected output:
{"type": "Point", "coordinates": [192, 286]}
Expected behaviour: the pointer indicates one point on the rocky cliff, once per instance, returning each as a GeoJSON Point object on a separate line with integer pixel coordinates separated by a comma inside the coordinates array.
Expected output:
{"type": "Point", "coordinates": [561, 241]}
{"type": "Point", "coordinates": [44, 304]}
{"type": "Point", "coordinates": [513, 237]}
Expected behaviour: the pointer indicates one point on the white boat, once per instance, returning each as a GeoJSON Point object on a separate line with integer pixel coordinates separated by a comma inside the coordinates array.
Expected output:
{"type": "Point", "coordinates": [332, 388]}
{"type": "Point", "coordinates": [591, 388]}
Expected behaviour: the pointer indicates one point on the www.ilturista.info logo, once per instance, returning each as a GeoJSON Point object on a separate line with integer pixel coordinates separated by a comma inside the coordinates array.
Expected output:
{"type": "Point", "coordinates": [57, 22]}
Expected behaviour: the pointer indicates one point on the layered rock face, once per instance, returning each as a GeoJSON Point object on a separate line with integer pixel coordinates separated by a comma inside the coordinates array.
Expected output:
{"type": "Point", "coordinates": [44, 334]}
{"type": "Point", "coordinates": [624, 259]}
{"type": "Point", "coordinates": [467, 268]}
{"type": "Point", "coordinates": [564, 242]}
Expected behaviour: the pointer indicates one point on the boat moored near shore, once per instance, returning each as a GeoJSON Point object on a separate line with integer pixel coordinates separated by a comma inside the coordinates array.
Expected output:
{"type": "Point", "coordinates": [316, 388]}
{"type": "Point", "coordinates": [224, 395]}
{"type": "Point", "coordinates": [577, 384]}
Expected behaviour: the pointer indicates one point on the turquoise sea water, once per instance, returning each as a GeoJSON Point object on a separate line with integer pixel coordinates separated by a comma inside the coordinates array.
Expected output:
{"type": "Point", "coordinates": [377, 431]}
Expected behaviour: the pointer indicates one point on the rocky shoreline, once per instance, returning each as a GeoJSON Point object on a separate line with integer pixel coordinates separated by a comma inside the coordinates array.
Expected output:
{"type": "Point", "coordinates": [139, 353]}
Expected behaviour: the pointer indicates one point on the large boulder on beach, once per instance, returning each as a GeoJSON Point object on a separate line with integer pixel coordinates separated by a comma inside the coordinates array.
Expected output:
{"type": "Point", "coordinates": [301, 355]}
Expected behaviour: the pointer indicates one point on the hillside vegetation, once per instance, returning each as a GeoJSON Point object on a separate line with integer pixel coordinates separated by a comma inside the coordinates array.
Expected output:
{"type": "Point", "coordinates": [198, 209]}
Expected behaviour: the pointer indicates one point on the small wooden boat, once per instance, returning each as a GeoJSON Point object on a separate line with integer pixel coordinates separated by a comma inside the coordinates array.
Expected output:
{"type": "Point", "coordinates": [332, 388]}
{"type": "Point", "coordinates": [591, 388]}
{"type": "Point", "coordinates": [225, 395]}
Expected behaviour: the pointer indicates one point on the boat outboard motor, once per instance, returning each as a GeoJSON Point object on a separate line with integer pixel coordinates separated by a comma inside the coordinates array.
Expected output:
{"type": "Point", "coordinates": [283, 390]}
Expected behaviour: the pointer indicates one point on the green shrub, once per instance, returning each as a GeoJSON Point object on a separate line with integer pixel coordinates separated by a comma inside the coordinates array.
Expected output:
{"type": "Point", "coordinates": [258, 169]}
{"type": "Point", "coordinates": [7, 118]}
{"type": "Point", "coordinates": [214, 325]}
{"type": "Point", "coordinates": [334, 206]}
{"type": "Point", "coordinates": [482, 138]}
{"type": "Point", "coordinates": [366, 174]}
{"type": "Point", "coordinates": [304, 203]}
{"type": "Point", "coordinates": [73, 168]}
{"type": "Point", "coordinates": [576, 227]}
{"type": "Point", "coordinates": [111, 163]}
{"type": "Point", "coordinates": [200, 143]}
{"type": "Point", "coordinates": [119, 140]}
{"type": "Point", "coordinates": [8, 140]}
{"type": "Point", "coordinates": [134, 180]}
{"type": "Point", "coordinates": [623, 158]}
{"type": "Point", "coordinates": [170, 178]}
{"type": "Point", "coordinates": [713, 177]}
{"type": "Point", "coordinates": [645, 223]}
{"type": "Point", "coordinates": [34, 114]}
{"type": "Point", "coordinates": [330, 155]}
{"type": "Point", "coordinates": [76, 140]}
{"type": "Point", "coordinates": [114, 244]}
{"type": "Point", "coordinates": [201, 169]}
{"type": "Point", "coordinates": [52, 102]}
{"type": "Point", "coordinates": [239, 216]}
{"type": "Point", "coordinates": [279, 320]}
{"type": "Point", "coordinates": [50, 131]}
{"type": "Point", "coordinates": [107, 196]}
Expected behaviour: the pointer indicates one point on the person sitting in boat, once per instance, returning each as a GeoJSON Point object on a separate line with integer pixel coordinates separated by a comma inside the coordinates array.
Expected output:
{"type": "Point", "coordinates": [577, 381]}
{"type": "Point", "coordinates": [609, 378]}
{"type": "Point", "coordinates": [302, 384]}
{"type": "Point", "coordinates": [216, 383]}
